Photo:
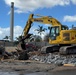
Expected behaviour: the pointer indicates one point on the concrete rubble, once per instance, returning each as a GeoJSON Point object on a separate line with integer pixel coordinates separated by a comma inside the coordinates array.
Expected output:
{"type": "Point", "coordinates": [55, 59]}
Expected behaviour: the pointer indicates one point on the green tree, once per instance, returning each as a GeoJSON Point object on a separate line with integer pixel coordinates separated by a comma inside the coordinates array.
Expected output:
{"type": "Point", "coordinates": [19, 38]}
{"type": "Point", "coordinates": [46, 38]}
{"type": "Point", "coordinates": [38, 38]}
{"type": "Point", "coordinates": [6, 37]}
{"type": "Point", "coordinates": [16, 42]}
{"type": "Point", "coordinates": [40, 29]}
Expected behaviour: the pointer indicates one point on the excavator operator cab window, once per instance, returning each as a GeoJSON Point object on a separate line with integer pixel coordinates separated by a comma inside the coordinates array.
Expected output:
{"type": "Point", "coordinates": [64, 27]}
{"type": "Point", "coordinates": [54, 32]}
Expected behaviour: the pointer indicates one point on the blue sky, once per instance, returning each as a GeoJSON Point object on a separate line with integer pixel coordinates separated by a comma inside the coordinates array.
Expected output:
{"type": "Point", "coordinates": [62, 10]}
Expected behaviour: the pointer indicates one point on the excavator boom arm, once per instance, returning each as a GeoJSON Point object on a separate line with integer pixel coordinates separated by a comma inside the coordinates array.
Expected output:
{"type": "Point", "coordinates": [42, 19]}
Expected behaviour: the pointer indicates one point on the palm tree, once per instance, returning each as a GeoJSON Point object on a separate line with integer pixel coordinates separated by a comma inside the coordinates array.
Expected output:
{"type": "Point", "coordinates": [6, 37]}
{"type": "Point", "coordinates": [40, 29]}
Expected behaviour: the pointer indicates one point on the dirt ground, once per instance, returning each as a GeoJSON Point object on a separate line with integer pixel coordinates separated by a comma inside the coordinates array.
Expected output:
{"type": "Point", "coordinates": [30, 66]}
{"type": "Point", "coordinates": [27, 66]}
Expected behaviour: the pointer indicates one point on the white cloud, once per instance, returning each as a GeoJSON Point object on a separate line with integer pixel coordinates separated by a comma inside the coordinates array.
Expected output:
{"type": "Point", "coordinates": [17, 32]}
{"type": "Point", "coordinates": [23, 6]}
{"type": "Point", "coordinates": [6, 31]}
{"type": "Point", "coordinates": [9, 13]}
{"type": "Point", "coordinates": [68, 18]}
{"type": "Point", "coordinates": [73, 1]}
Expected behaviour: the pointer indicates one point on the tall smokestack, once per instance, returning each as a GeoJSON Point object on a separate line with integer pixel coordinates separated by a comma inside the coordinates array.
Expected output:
{"type": "Point", "coordinates": [12, 21]}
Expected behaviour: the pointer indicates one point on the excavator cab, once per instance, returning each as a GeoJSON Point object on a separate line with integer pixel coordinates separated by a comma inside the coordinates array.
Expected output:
{"type": "Point", "coordinates": [55, 31]}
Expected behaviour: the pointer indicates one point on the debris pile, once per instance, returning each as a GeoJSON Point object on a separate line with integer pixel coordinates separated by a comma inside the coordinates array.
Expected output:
{"type": "Point", "coordinates": [35, 54]}
{"type": "Point", "coordinates": [3, 53]}
{"type": "Point", "coordinates": [55, 59]}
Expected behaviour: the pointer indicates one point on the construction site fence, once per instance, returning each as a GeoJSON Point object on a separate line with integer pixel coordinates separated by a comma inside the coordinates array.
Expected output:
{"type": "Point", "coordinates": [40, 44]}
{"type": "Point", "coordinates": [6, 43]}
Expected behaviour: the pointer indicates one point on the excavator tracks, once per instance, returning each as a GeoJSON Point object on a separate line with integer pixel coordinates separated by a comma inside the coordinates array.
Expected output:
{"type": "Point", "coordinates": [62, 50]}
{"type": "Point", "coordinates": [50, 49]}
{"type": "Point", "coordinates": [67, 50]}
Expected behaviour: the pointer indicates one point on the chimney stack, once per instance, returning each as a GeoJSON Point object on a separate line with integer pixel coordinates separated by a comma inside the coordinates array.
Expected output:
{"type": "Point", "coordinates": [12, 21]}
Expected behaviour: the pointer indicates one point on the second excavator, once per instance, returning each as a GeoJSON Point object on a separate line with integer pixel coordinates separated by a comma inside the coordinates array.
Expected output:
{"type": "Point", "coordinates": [61, 38]}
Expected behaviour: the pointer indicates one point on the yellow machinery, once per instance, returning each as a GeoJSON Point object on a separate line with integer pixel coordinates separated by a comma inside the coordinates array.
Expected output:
{"type": "Point", "coordinates": [60, 36]}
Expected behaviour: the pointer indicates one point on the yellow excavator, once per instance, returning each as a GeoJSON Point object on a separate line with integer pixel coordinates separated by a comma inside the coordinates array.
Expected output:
{"type": "Point", "coordinates": [61, 38]}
